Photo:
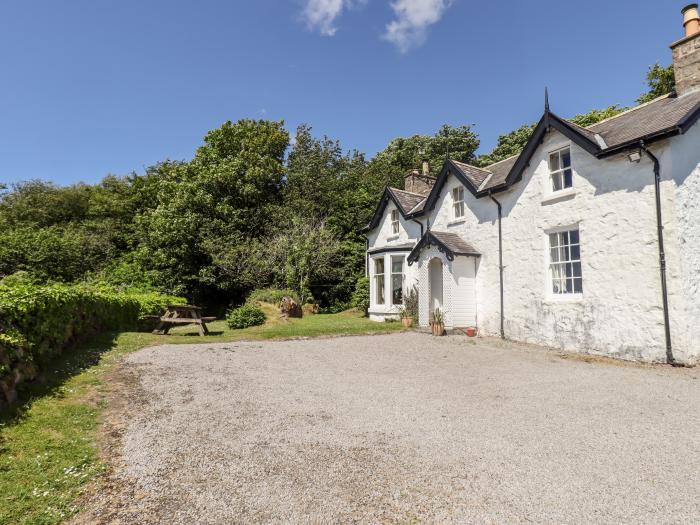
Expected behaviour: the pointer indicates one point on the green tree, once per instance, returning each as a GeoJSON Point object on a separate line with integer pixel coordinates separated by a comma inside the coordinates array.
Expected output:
{"type": "Point", "coordinates": [224, 194]}
{"type": "Point", "coordinates": [661, 81]}
{"type": "Point", "coordinates": [59, 253]}
{"type": "Point", "coordinates": [315, 172]}
{"type": "Point", "coordinates": [307, 253]}
{"type": "Point", "coordinates": [597, 115]}
{"type": "Point", "coordinates": [405, 154]}
{"type": "Point", "coordinates": [509, 144]}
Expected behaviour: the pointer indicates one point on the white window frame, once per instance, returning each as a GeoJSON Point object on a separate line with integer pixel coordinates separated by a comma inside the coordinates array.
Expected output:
{"type": "Point", "coordinates": [458, 202]}
{"type": "Point", "coordinates": [564, 269]}
{"type": "Point", "coordinates": [402, 258]}
{"type": "Point", "coordinates": [377, 279]}
{"type": "Point", "coordinates": [395, 224]}
{"type": "Point", "coordinates": [560, 173]}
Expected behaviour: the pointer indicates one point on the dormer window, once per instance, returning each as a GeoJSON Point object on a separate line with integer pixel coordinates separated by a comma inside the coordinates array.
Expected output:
{"type": "Point", "coordinates": [560, 169]}
{"type": "Point", "coordinates": [395, 222]}
{"type": "Point", "coordinates": [458, 202]}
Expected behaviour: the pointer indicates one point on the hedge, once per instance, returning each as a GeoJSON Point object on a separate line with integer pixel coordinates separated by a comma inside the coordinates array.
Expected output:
{"type": "Point", "coordinates": [38, 322]}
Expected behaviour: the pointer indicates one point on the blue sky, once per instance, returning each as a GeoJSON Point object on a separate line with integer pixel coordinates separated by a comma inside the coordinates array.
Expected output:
{"type": "Point", "coordinates": [91, 87]}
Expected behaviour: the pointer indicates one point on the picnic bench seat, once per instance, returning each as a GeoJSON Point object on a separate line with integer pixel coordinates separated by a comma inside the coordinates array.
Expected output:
{"type": "Point", "coordinates": [181, 314]}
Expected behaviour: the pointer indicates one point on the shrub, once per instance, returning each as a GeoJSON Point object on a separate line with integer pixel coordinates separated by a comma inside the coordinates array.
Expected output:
{"type": "Point", "coordinates": [270, 295]}
{"type": "Point", "coordinates": [360, 298]}
{"type": "Point", "coordinates": [245, 316]}
{"type": "Point", "coordinates": [336, 307]}
{"type": "Point", "coordinates": [410, 304]}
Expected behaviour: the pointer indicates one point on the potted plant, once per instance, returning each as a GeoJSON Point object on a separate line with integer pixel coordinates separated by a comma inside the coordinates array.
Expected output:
{"type": "Point", "coordinates": [438, 324]}
{"type": "Point", "coordinates": [409, 310]}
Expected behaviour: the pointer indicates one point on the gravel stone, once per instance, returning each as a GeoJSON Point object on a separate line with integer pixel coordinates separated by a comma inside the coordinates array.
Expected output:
{"type": "Point", "coordinates": [405, 428]}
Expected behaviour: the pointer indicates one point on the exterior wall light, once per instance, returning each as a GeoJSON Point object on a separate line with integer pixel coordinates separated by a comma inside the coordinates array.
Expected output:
{"type": "Point", "coordinates": [635, 156]}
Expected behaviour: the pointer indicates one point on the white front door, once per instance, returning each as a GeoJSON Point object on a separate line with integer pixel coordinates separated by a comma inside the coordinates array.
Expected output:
{"type": "Point", "coordinates": [435, 274]}
{"type": "Point", "coordinates": [463, 307]}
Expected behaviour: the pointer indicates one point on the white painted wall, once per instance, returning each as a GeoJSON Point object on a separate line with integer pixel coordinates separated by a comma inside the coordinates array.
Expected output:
{"type": "Point", "coordinates": [684, 167]}
{"type": "Point", "coordinates": [613, 205]}
{"type": "Point", "coordinates": [383, 237]}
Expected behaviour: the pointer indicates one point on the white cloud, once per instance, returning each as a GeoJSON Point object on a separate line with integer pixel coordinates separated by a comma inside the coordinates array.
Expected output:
{"type": "Point", "coordinates": [412, 19]}
{"type": "Point", "coordinates": [322, 14]}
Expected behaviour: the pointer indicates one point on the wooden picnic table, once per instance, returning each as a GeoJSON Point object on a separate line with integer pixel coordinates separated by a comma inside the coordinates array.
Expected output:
{"type": "Point", "coordinates": [182, 314]}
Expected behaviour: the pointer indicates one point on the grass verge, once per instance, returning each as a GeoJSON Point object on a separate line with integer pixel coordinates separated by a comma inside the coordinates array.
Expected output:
{"type": "Point", "coordinates": [48, 449]}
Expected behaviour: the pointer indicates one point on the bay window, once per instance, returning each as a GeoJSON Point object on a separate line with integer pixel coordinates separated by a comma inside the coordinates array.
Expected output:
{"type": "Point", "coordinates": [397, 280]}
{"type": "Point", "coordinates": [379, 280]}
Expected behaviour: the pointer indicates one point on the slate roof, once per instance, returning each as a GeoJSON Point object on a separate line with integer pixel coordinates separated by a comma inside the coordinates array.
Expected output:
{"type": "Point", "coordinates": [648, 119]}
{"type": "Point", "coordinates": [406, 200]}
{"type": "Point", "coordinates": [408, 203]}
{"type": "Point", "coordinates": [657, 118]}
{"type": "Point", "coordinates": [454, 243]}
{"type": "Point", "coordinates": [477, 175]}
{"type": "Point", "coordinates": [451, 244]}
{"type": "Point", "coordinates": [499, 172]}
{"type": "Point", "coordinates": [393, 247]}
{"type": "Point", "coordinates": [661, 118]}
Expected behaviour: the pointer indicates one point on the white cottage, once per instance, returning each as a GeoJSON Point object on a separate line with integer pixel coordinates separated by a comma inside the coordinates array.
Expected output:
{"type": "Point", "coordinates": [589, 240]}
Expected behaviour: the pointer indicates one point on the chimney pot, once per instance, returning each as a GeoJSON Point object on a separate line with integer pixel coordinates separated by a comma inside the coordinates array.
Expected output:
{"type": "Point", "coordinates": [686, 53]}
{"type": "Point", "coordinates": [691, 20]}
{"type": "Point", "coordinates": [426, 167]}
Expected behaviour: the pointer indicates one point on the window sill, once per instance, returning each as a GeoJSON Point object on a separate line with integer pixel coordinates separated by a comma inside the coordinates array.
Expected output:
{"type": "Point", "coordinates": [559, 195]}
{"type": "Point", "coordinates": [384, 310]}
{"type": "Point", "coordinates": [456, 222]}
{"type": "Point", "coordinates": [564, 298]}
{"type": "Point", "coordinates": [392, 238]}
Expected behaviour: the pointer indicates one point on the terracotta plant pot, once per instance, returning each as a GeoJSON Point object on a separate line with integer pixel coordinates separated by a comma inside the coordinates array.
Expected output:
{"type": "Point", "coordinates": [407, 322]}
{"type": "Point", "coordinates": [471, 331]}
{"type": "Point", "coordinates": [438, 329]}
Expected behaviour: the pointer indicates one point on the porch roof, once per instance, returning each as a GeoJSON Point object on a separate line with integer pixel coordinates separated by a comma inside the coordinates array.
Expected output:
{"type": "Point", "coordinates": [392, 248]}
{"type": "Point", "coordinates": [451, 244]}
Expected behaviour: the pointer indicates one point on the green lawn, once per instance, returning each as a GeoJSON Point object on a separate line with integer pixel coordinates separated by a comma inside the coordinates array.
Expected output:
{"type": "Point", "coordinates": [47, 445]}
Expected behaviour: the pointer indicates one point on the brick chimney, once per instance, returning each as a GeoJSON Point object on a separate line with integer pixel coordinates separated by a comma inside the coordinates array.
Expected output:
{"type": "Point", "coordinates": [686, 53]}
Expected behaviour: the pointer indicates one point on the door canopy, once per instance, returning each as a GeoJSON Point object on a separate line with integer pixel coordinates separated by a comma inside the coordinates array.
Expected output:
{"type": "Point", "coordinates": [451, 244]}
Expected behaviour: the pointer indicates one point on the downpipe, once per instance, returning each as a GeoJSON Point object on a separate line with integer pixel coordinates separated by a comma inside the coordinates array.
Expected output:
{"type": "Point", "coordinates": [662, 254]}
{"type": "Point", "coordinates": [500, 259]}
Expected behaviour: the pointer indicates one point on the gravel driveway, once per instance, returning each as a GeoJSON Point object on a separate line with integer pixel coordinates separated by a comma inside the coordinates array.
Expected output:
{"type": "Point", "coordinates": [401, 428]}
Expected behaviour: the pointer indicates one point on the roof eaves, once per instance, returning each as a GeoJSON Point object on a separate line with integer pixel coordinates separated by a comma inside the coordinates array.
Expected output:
{"type": "Point", "coordinates": [651, 137]}
{"type": "Point", "coordinates": [691, 118]}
